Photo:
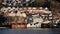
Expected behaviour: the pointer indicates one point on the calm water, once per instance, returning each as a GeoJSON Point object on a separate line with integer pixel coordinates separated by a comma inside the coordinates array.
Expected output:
{"type": "Point", "coordinates": [27, 31]}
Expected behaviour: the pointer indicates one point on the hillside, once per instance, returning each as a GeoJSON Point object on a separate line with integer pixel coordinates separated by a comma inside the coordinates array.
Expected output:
{"type": "Point", "coordinates": [53, 5]}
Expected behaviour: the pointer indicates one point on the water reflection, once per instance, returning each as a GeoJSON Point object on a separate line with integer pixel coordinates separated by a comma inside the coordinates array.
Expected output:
{"type": "Point", "coordinates": [27, 31]}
